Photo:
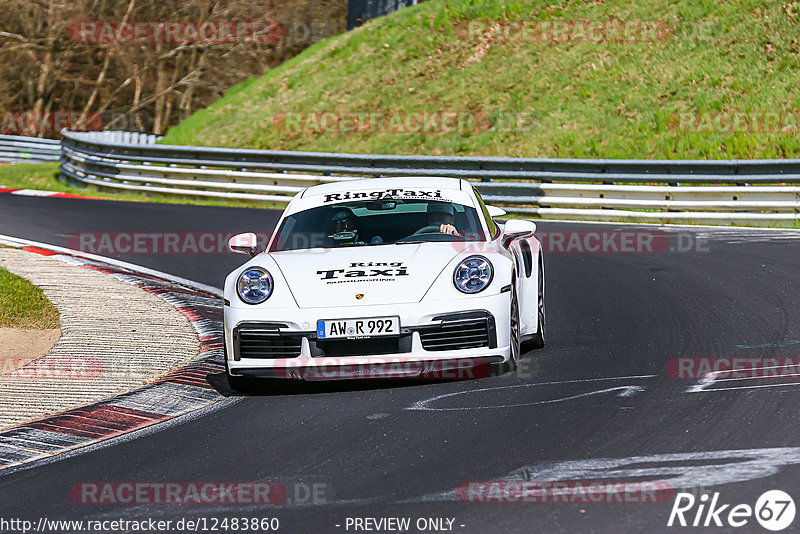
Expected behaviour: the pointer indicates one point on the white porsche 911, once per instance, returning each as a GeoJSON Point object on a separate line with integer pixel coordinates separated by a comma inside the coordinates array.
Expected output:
{"type": "Point", "coordinates": [384, 278]}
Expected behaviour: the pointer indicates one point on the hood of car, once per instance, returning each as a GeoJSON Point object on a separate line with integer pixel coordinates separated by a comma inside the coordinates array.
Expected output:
{"type": "Point", "coordinates": [388, 274]}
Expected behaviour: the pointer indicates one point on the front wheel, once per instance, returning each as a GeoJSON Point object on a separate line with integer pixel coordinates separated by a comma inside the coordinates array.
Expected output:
{"type": "Point", "coordinates": [241, 384]}
{"type": "Point", "coordinates": [538, 339]}
{"type": "Point", "coordinates": [515, 336]}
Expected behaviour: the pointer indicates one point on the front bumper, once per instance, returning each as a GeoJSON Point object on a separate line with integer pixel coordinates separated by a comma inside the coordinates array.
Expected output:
{"type": "Point", "coordinates": [452, 342]}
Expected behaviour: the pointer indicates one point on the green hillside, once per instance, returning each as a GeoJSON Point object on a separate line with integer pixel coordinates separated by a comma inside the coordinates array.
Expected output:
{"type": "Point", "coordinates": [613, 79]}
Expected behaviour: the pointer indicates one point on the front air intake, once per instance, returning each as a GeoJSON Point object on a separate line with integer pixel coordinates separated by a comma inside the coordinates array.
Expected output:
{"type": "Point", "coordinates": [266, 342]}
{"type": "Point", "coordinates": [458, 333]}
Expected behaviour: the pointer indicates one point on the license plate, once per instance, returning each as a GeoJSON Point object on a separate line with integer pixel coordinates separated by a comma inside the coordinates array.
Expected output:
{"type": "Point", "coordinates": [358, 328]}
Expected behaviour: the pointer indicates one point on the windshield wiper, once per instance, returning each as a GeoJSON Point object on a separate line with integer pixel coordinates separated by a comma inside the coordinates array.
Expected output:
{"type": "Point", "coordinates": [409, 242]}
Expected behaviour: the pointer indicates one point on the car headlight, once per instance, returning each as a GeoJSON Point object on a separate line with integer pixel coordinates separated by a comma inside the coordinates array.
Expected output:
{"type": "Point", "coordinates": [473, 275]}
{"type": "Point", "coordinates": [254, 285]}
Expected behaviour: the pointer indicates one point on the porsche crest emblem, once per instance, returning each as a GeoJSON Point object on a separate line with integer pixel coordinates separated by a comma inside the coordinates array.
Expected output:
{"type": "Point", "coordinates": [359, 296]}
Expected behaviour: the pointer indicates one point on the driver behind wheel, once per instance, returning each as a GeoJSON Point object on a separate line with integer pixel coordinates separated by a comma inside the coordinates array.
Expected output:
{"type": "Point", "coordinates": [343, 230]}
{"type": "Point", "coordinates": [441, 214]}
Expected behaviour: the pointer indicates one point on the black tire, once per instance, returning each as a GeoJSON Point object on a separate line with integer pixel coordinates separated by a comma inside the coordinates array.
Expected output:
{"type": "Point", "coordinates": [511, 365]}
{"type": "Point", "coordinates": [242, 384]}
{"type": "Point", "coordinates": [515, 336]}
{"type": "Point", "coordinates": [537, 342]}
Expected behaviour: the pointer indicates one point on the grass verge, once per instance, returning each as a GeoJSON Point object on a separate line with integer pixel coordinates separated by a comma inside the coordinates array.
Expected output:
{"type": "Point", "coordinates": [23, 305]}
{"type": "Point", "coordinates": [551, 92]}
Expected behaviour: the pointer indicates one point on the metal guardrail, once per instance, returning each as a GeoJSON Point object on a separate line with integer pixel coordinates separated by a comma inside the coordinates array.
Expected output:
{"type": "Point", "coordinates": [761, 192]}
{"type": "Point", "coordinates": [18, 149]}
{"type": "Point", "coordinates": [662, 171]}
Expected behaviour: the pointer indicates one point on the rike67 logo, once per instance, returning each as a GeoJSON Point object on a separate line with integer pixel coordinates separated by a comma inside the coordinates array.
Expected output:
{"type": "Point", "coordinates": [774, 510]}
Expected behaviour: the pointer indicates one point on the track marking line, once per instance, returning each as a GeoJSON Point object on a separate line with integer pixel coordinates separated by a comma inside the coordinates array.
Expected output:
{"type": "Point", "coordinates": [625, 391]}
{"type": "Point", "coordinates": [704, 385]}
{"type": "Point", "coordinates": [75, 254]}
{"type": "Point", "coordinates": [677, 470]}
{"type": "Point", "coordinates": [176, 397]}
{"type": "Point", "coordinates": [44, 193]}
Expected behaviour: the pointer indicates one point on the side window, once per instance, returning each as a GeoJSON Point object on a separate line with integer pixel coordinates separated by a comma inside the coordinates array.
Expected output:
{"type": "Point", "coordinates": [489, 222]}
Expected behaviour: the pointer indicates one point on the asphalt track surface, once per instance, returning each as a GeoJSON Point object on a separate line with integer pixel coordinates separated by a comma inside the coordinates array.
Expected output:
{"type": "Point", "coordinates": [599, 390]}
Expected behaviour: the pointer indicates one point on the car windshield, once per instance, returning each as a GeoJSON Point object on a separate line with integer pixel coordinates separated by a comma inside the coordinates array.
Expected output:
{"type": "Point", "coordinates": [378, 222]}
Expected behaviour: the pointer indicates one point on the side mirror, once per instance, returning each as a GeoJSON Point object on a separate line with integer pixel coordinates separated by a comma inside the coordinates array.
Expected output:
{"type": "Point", "coordinates": [244, 244]}
{"type": "Point", "coordinates": [494, 211]}
{"type": "Point", "coordinates": [516, 229]}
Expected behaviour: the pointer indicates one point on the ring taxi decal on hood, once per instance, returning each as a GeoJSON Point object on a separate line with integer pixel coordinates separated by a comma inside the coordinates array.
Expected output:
{"type": "Point", "coordinates": [393, 193]}
{"type": "Point", "coordinates": [365, 272]}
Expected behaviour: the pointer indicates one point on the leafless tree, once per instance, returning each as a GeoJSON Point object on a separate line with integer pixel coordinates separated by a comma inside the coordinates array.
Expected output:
{"type": "Point", "coordinates": [47, 65]}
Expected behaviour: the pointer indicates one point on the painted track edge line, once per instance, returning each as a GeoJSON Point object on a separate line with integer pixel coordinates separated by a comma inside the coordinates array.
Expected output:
{"type": "Point", "coordinates": [137, 412]}
{"type": "Point", "coordinates": [119, 439]}
{"type": "Point", "coordinates": [116, 263]}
